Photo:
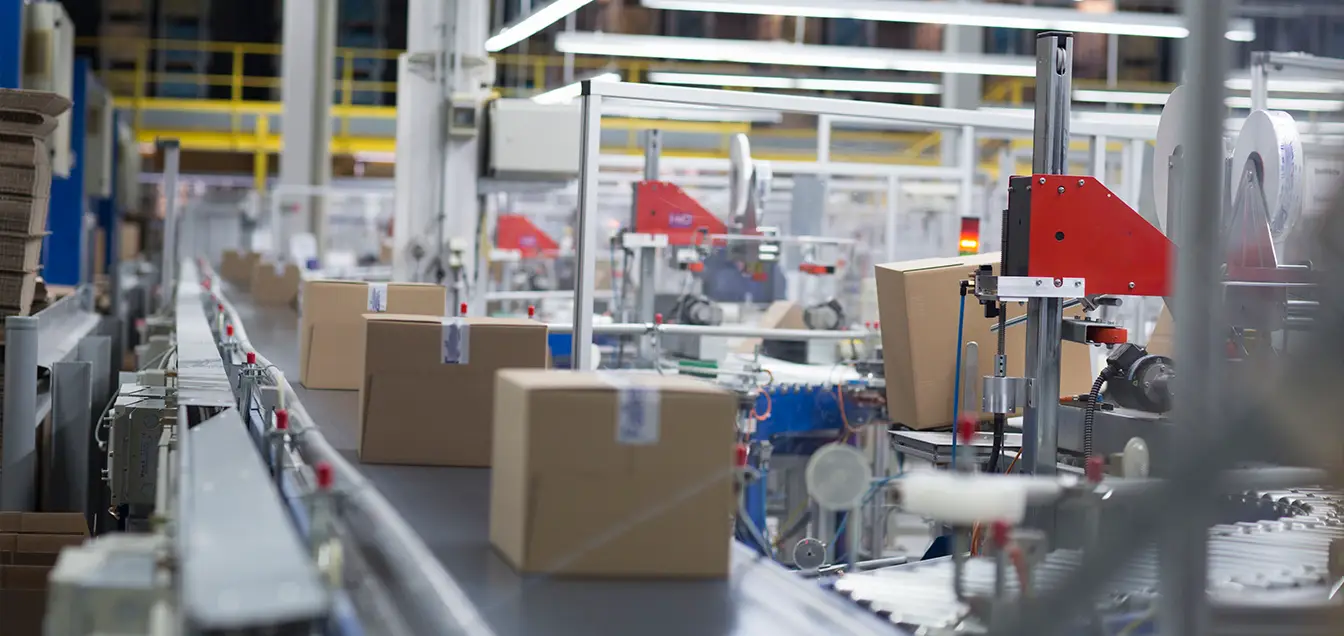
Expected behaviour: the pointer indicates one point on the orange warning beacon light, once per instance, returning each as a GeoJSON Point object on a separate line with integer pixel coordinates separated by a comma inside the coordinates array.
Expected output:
{"type": "Point", "coordinates": [968, 242]}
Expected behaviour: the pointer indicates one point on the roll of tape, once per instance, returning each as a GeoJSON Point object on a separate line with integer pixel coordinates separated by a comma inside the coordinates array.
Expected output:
{"type": "Point", "coordinates": [1270, 139]}
{"type": "Point", "coordinates": [1169, 131]}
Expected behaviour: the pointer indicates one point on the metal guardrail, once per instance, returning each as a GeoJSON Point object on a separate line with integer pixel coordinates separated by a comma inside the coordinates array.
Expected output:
{"type": "Point", "coordinates": [430, 600]}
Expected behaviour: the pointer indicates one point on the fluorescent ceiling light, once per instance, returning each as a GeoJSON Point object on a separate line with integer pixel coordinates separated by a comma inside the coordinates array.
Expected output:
{"type": "Point", "coordinates": [1234, 101]}
{"type": "Point", "coordinates": [795, 83]}
{"type": "Point", "coordinates": [1089, 117]}
{"type": "Point", "coordinates": [784, 53]}
{"type": "Point", "coordinates": [1289, 85]}
{"type": "Point", "coordinates": [987, 15]}
{"type": "Point", "coordinates": [568, 92]}
{"type": "Point", "coordinates": [644, 110]}
{"type": "Point", "coordinates": [532, 23]}
{"type": "Point", "coordinates": [1290, 103]}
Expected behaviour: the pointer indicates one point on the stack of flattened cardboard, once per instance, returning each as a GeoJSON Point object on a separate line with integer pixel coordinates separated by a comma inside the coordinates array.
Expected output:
{"type": "Point", "coordinates": [27, 118]}
{"type": "Point", "coordinates": [30, 542]}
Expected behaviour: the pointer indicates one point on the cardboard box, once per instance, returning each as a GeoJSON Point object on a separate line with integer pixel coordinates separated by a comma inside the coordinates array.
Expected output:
{"type": "Point", "coordinates": [24, 577]}
{"type": "Point", "coordinates": [331, 326]}
{"type": "Point", "coordinates": [17, 290]}
{"type": "Point", "coordinates": [130, 241]}
{"type": "Point", "coordinates": [918, 304]}
{"type": "Point", "coordinates": [8, 545]}
{"type": "Point", "coordinates": [23, 612]}
{"type": "Point", "coordinates": [781, 314]}
{"type": "Point", "coordinates": [236, 267]}
{"type": "Point", "coordinates": [1161, 342]}
{"type": "Point", "coordinates": [573, 493]}
{"type": "Point", "coordinates": [275, 283]}
{"type": "Point", "coordinates": [53, 523]}
{"type": "Point", "coordinates": [408, 389]}
{"type": "Point", "coordinates": [20, 252]}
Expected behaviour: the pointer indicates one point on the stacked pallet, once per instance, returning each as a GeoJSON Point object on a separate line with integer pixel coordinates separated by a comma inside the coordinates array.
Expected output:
{"type": "Point", "coordinates": [27, 118]}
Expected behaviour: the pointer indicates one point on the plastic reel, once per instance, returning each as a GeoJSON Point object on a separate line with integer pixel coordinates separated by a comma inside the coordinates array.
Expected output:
{"type": "Point", "coordinates": [838, 476]}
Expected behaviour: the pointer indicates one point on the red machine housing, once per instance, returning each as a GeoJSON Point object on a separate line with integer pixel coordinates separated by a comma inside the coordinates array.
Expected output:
{"type": "Point", "coordinates": [1074, 227]}
{"type": "Point", "coordinates": [664, 208]}
{"type": "Point", "coordinates": [517, 232]}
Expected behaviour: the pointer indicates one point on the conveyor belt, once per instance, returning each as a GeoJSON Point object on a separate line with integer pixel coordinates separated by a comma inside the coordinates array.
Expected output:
{"type": "Point", "coordinates": [448, 508]}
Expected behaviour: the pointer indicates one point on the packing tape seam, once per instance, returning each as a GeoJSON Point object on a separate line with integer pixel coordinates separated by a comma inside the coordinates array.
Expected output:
{"type": "Point", "coordinates": [637, 411]}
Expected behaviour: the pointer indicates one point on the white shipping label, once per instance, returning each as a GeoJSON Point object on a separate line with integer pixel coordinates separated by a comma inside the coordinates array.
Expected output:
{"type": "Point", "coordinates": [637, 422]}
{"type": "Point", "coordinates": [279, 268]}
{"type": "Point", "coordinates": [456, 347]}
{"type": "Point", "coordinates": [377, 296]}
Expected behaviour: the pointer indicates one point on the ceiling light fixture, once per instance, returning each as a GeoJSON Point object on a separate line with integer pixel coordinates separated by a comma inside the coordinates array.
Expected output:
{"type": "Point", "coordinates": [783, 53]}
{"type": "Point", "coordinates": [532, 23]}
{"type": "Point", "coordinates": [986, 15]}
{"type": "Point", "coordinates": [795, 83]}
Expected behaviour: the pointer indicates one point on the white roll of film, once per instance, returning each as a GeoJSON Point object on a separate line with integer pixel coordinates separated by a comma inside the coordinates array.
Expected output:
{"type": "Point", "coordinates": [1169, 131]}
{"type": "Point", "coordinates": [963, 499]}
{"type": "Point", "coordinates": [1270, 139]}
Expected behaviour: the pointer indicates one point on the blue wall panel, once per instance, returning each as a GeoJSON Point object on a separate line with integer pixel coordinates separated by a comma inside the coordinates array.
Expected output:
{"type": "Point", "coordinates": [64, 248]}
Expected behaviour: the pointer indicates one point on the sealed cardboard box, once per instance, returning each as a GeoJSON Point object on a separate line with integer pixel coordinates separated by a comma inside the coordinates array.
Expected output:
{"type": "Point", "coordinates": [30, 543]}
{"type": "Point", "coordinates": [331, 325]}
{"type": "Point", "coordinates": [236, 267]}
{"type": "Point", "coordinates": [918, 303]}
{"type": "Point", "coordinates": [415, 408]}
{"type": "Point", "coordinates": [275, 283]}
{"type": "Point", "coordinates": [609, 474]}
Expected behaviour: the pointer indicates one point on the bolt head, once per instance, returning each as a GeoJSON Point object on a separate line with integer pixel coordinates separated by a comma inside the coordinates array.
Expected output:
{"type": "Point", "coordinates": [1042, 180]}
{"type": "Point", "coordinates": [1131, 285]}
{"type": "Point", "coordinates": [1038, 283]}
{"type": "Point", "coordinates": [1061, 189]}
{"type": "Point", "coordinates": [1077, 283]}
{"type": "Point", "coordinates": [1081, 182]}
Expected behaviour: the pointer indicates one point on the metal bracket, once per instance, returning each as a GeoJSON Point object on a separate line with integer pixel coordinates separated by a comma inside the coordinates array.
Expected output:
{"type": "Point", "coordinates": [1015, 287]}
{"type": "Point", "coordinates": [635, 240]}
{"type": "Point", "coordinates": [1005, 395]}
{"type": "Point", "coordinates": [1092, 332]}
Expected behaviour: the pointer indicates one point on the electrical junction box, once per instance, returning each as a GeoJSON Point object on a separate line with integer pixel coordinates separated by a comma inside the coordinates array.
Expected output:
{"type": "Point", "coordinates": [49, 65]}
{"type": "Point", "coordinates": [133, 446]}
{"type": "Point", "coordinates": [464, 116]}
{"type": "Point", "coordinates": [518, 128]}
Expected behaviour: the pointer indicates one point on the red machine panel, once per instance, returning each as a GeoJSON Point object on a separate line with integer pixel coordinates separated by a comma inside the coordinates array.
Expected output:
{"type": "Point", "coordinates": [664, 208]}
{"type": "Point", "coordinates": [517, 232]}
{"type": "Point", "coordinates": [1080, 229]}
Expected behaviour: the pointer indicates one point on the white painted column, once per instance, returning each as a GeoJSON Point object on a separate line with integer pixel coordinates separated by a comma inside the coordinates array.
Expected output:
{"type": "Point", "coordinates": [960, 90]}
{"type": "Point", "coordinates": [307, 70]}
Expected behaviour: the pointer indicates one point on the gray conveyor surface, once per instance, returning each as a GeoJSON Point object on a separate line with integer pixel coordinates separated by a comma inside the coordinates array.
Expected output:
{"type": "Point", "coordinates": [448, 508]}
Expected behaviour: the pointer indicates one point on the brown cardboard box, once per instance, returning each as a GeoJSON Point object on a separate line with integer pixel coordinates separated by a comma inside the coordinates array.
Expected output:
{"type": "Point", "coordinates": [24, 577]}
{"type": "Point", "coordinates": [918, 305]}
{"type": "Point", "coordinates": [781, 314]}
{"type": "Point", "coordinates": [415, 409]}
{"type": "Point", "coordinates": [568, 497]}
{"type": "Point", "coordinates": [275, 283]}
{"type": "Point", "coordinates": [130, 241]}
{"type": "Point", "coordinates": [10, 521]}
{"type": "Point", "coordinates": [8, 544]}
{"type": "Point", "coordinates": [1160, 342]}
{"type": "Point", "coordinates": [331, 326]}
{"type": "Point", "coordinates": [23, 612]}
{"type": "Point", "coordinates": [42, 549]}
{"type": "Point", "coordinates": [53, 523]}
{"type": "Point", "coordinates": [236, 267]}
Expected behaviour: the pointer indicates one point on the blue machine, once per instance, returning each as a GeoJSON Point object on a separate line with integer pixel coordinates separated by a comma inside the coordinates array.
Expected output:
{"type": "Point", "coordinates": [797, 420]}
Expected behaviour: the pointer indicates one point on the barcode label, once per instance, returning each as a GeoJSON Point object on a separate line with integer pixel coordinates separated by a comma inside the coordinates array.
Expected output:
{"type": "Point", "coordinates": [377, 296]}
{"type": "Point", "coordinates": [456, 347]}
{"type": "Point", "coordinates": [637, 422]}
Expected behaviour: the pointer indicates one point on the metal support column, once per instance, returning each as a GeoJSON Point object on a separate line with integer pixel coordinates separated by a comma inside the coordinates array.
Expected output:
{"type": "Point", "coordinates": [590, 150]}
{"type": "Point", "coordinates": [171, 233]}
{"type": "Point", "coordinates": [893, 210]}
{"type": "Point", "coordinates": [648, 255]}
{"type": "Point", "coordinates": [68, 457]}
{"type": "Point", "coordinates": [18, 464]}
{"type": "Point", "coordinates": [1200, 327]}
{"type": "Point", "coordinates": [1050, 155]}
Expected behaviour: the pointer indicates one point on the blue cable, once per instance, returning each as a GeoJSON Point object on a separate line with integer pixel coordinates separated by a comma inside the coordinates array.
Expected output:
{"type": "Point", "coordinates": [872, 490]}
{"type": "Point", "coordinates": [956, 382]}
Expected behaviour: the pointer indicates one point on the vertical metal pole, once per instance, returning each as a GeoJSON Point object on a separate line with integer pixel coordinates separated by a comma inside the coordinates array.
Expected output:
{"type": "Point", "coordinates": [1099, 157]}
{"type": "Point", "coordinates": [570, 21]}
{"type": "Point", "coordinates": [1133, 179]}
{"type": "Point", "coordinates": [648, 256]}
{"type": "Point", "coordinates": [878, 441]}
{"type": "Point", "coordinates": [1200, 326]}
{"type": "Point", "coordinates": [19, 459]}
{"type": "Point", "coordinates": [590, 148]}
{"type": "Point", "coordinates": [1050, 155]}
{"type": "Point", "coordinates": [1259, 80]}
{"type": "Point", "coordinates": [969, 164]}
{"type": "Point", "coordinates": [168, 271]}
{"type": "Point", "coordinates": [893, 211]}
{"type": "Point", "coordinates": [824, 139]}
